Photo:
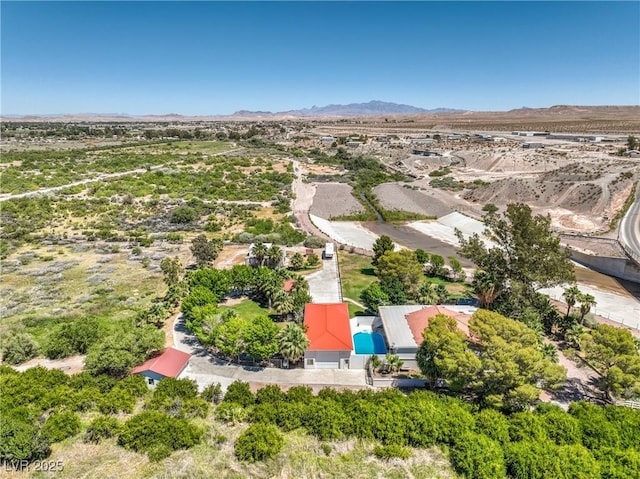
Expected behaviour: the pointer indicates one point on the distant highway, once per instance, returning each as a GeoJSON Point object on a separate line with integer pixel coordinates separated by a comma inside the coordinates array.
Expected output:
{"type": "Point", "coordinates": [629, 234]}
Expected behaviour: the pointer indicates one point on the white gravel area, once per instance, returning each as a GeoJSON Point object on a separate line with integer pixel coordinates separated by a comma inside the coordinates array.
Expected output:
{"type": "Point", "coordinates": [346, 232]}
{"type": "Point", "coordinates": [443, 229]}
{"type": "Point", "coordinates": [334, 199]}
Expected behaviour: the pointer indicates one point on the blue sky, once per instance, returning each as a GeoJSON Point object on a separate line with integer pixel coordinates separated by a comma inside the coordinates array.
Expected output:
{"type": "Point", "coordinates": [215, 58]}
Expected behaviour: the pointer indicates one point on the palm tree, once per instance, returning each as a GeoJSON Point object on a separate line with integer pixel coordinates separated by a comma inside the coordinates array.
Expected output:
{"type": "Point", "coordinates": [301, 284]}
{"type": "Point", "coordinates": [586, 302]}
{"type": "Point", "coordinates": [573, 334]}
{"type": "Point", "coordinates": [269, 285]}
{"type": "Point", "coordinates": [441, 294]}
{"type": "Point", "coordinates": [283, 303]}
{"type": "Point", "coordinates": [394, 362]}
{"type": "Point", "coordinates": [487, 287]}
{"type": "Point", "coordinates": [260, 253]}
{"type": "Point", "coordinates": [571, 296]}
{"type": "Point", "coordinates": [427, 294]}
{"type": "Point", "coordinates": [550, 352]}
{"type": "Point", "coordinates": [293, 342]}
{"type": "Point", "coordinates": [297, 261]}
{"type": "Point", "coordinates": [274, 256]}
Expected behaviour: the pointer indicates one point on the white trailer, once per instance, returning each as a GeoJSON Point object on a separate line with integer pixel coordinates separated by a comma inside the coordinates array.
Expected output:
{"type": "Point", "coordinates": [328, 251]}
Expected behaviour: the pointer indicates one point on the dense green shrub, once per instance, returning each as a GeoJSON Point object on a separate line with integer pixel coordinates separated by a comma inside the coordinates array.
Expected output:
{"type": "Point", "coordinates": [627, 423]}
{"type": "Point", "coordinates": [618, 463]}
{"type": "Point", "coordinates": [532, 460]}
{"type": "Point", "coordinates": [176, 388]}
{"type": "Point", "coordinates": [230, 412]}
{"type": "Point", "coordinates": [18, 348]}
{"type": "Point", "coordinates": [212, 393]}
{"type": "Point", "coordinates": [178, 398]}
{"type": "Point", "coordinates": [183, 215]}
{"type": "Point", "coordinates": [60, 426]}
{"type": "Point", "coordinates": [526, 426]}
{"type": "Point", "coordinates": [290, 415]}
{"type": "Point", "coordinates": [117, 400]}
{"type": "Point", "coordinates": [74, 337]}
{"type": "Point", "coordinates": [493, 424]}
{"type": "Point", "coordinates": [151, 431]}
{"type": "Point", "coordinates": [258, 443]}
{"type": "Point", "coordinates": [476, 456]}
{"type": "Point", "coordinates": [562, 428]}
{"type": "Point", "coordinates": [597, 430]}
{"type": "Point", "coordinates": [301, 394]}
{"type": "Point", "coordinates": [240, 393]}
{"type": "Point", "coordinates": [116, 354]}
{"type": "Point", "coordinates": [392, 450]}
{"type": "Point", "coordinates": [314, 242]}
{"type": "Point", "coordinates": [264, 412]}
{"type": "Point", "coordinates": [270, 394]}
{"type": "Point", "coordinates": [325, 420]}
{"type": "Point", "coordinates": [102, 428]}
{"type": "Point", "coordinates": [136, 385]}
{"type": "Point", "coordinates": [20, 439]}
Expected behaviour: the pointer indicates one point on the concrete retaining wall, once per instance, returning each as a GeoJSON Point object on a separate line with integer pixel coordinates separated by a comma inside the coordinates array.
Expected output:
{"type": "Point", "coordinates": [619, 267]}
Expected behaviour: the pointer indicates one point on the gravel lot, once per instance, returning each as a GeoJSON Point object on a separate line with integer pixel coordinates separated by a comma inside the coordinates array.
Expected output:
{"type": "Point", "coordinates": [394, 196]}
{"type": "Point", "coordinates": [334, 199]}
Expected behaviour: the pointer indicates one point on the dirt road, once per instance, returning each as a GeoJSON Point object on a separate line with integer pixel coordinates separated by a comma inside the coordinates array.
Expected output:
{"type": "Point", "coordinates": [44, 191]}
{"type": "Point", "coordinates": [86, 181]}
{"type": "Point", "coordinates": [303, 199]}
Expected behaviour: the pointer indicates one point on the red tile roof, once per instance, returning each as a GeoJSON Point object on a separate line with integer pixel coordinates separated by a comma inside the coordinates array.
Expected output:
{"type": "Point", "coordinates": [328, 327]}
{"type": "Point", "coordinates": [288, 285]}
{"type": "Point", "coordinates": [169, 364]}
{"type": "Point", "coordinates": [419, 320]}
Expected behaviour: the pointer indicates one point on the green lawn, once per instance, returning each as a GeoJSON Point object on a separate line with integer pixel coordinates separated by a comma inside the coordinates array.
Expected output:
{"type": "Point", "coordinates": [247, 308]}
{"type": "Point", "coordinates": [306, 270]}
{"type": "Point", "coordinates": [355, 310]}
{"type": "Point", "coordinates": [356, 273]}
{"type": "Point", "coordinates": [456, 289]}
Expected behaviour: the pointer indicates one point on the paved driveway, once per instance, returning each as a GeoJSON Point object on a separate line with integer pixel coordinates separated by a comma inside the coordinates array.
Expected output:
{"type": "Point", "coordinates": [205, 369]}
{"type": "Point", "coordinates": [324, 285]}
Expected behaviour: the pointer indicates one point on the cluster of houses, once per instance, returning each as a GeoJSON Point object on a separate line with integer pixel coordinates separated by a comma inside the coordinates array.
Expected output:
{"type": "Point", "coordinates": [338, 341]}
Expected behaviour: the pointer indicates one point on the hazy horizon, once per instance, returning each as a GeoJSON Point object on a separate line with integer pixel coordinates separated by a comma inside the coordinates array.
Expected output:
{"type": "Point", "coordinates": [215, 58]}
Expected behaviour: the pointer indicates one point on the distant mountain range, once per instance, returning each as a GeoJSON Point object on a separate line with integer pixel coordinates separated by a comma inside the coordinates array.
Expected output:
{"type": "Point", "coordinates": [372, 108]}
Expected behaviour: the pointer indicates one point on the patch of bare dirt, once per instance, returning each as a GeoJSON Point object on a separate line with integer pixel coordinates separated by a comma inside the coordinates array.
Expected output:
{"type": "Point", "coordinates": [334, 199]}
{"type": "Point", "coordinates": [413, 198]}
{"type": "Point", "coordinates": [230, 256]}
{"type": "Point", "coordinates": [303, 191]}
{"type": "Point", "coordinates": [70, 365]}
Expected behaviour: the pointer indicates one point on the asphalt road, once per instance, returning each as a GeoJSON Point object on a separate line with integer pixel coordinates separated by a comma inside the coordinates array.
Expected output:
{"type": "Point", "coordinates": [630, 229]}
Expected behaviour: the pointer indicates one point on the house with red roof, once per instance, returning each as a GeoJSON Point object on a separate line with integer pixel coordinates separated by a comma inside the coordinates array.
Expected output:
{"type": "Point", "coordinates": [419, 320]}
{"type": "Point", "coordinates": [167, 365]}
{"type": "Point", "coordinates": [403, 326]}
{"type": "Point", "coordinates": [329, 334]}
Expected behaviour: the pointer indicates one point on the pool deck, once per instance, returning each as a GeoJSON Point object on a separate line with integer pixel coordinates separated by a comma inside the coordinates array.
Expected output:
{"type": "Point", "coordinates": [361, 324]}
